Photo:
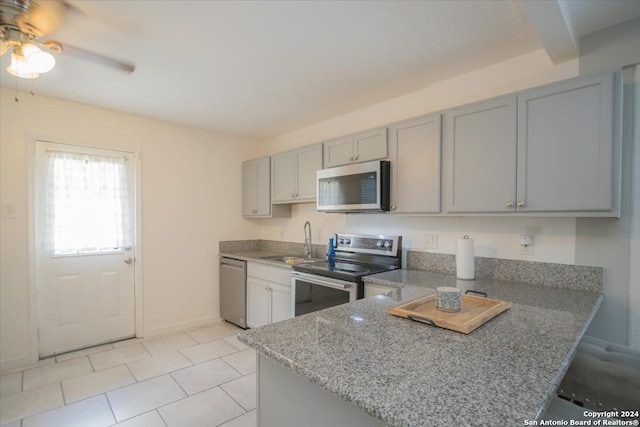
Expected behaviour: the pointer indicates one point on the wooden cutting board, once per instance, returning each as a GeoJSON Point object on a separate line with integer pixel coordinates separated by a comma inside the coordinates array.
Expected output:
{"type": "Point", "coordinates": [474, 312]}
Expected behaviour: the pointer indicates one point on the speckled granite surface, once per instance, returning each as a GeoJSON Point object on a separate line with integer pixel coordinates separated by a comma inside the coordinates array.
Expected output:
{"type": "Point", "coordinates": [256, 250]}
{"type": "Point", "coordinates": [411, 374]}
{"type": "Point", "coordinates": [568, 276]}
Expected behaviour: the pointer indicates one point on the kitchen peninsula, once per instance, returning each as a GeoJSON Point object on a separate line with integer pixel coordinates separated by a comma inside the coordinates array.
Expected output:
{"type": "Point", "coordinates": [355, 364]}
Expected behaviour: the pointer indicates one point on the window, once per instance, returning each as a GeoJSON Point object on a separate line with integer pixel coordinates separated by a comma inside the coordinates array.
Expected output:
{"type": "Point", "coordinates": [87, 204]}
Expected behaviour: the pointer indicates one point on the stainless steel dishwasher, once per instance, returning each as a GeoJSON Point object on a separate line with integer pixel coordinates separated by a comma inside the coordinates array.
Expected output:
{"type": "Point", "coordinates": [233, 291]}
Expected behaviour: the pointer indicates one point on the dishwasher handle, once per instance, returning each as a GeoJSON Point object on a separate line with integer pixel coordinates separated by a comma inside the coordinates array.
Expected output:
{"type": "Point", "coordinates": [231, 266]}
{"type": "Point", "coordinates": [233, 263]}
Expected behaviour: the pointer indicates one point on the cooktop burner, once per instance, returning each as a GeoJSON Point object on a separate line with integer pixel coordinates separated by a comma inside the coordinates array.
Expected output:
{"type": "Point", "coordinates": [340, 270]}
{"type": "Point", "coordinates": [347, 268]}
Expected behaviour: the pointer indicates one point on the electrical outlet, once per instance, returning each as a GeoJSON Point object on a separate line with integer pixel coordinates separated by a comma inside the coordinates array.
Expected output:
{"type": "Point", "coordinates": [282, 233]}
{"type": "Point", "coordinates": [430, 241]}
{"type": "Point", "coordinates": [526, 249]}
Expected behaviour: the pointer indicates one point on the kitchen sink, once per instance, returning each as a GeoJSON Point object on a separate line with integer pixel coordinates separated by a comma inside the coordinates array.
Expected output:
{"type": "Point", "coordinates": [289, 259]}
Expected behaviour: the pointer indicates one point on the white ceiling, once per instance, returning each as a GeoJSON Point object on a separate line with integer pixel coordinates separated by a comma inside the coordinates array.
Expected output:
{"type": "Point", "coordinates": [262, 68]}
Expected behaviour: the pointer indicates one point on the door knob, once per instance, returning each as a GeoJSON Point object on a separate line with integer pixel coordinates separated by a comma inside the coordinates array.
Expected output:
{"type": "Point", "coordinates": [128, 260]}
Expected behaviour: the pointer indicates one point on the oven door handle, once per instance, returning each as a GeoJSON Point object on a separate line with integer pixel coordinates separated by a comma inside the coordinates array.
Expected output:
{"type": "Point", "coordinates": [316, 281]}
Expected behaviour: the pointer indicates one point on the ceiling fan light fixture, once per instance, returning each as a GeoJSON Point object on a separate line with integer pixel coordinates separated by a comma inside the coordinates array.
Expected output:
{"type": "Point", "coordinates": [19, 67]}
{"type": "Point", "coordinates": [37, 59]}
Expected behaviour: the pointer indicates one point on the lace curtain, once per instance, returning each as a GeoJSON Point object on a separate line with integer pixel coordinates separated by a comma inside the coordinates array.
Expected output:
{"type": "Point", "coordinates": [87, 204]}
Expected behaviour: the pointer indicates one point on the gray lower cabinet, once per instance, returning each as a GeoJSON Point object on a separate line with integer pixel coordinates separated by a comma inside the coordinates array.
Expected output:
{"type": "Point", "coordinates": [268, 294]}
{"type": "Point", "coordinates": [360, 147]}
{"type": "Point", "coordinates": [287, 399]}
{"type": "Point", "coordinates": [415, 154]}
{"type": "Point", "coordinates": [293, 174]}
{"type": "Point", "coordinates": [550, 149]}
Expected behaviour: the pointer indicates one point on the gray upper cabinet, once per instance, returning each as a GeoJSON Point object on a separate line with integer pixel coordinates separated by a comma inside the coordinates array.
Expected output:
{"type": "Point", "coordinates": [550, 150]}
{"type": "Point", "coordinates": [566, 147]}
{"type": "Point", "coordinates": [480, 157]}
{"type": "Point", "coordinates": [360, 147]}
{"type": "Point", "coordinates": [554, 150]}
{"type": "Point", "coordinates": [415, 154]}
{"type": "Point", "coordinates": [256, 191]}
{"type": "Point", "coordinates": [293, 174]}
{"type": "Point", "coordinates": [255, 187]}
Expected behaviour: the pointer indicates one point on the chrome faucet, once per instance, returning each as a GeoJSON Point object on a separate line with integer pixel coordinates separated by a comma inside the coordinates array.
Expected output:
{"type": "Point", "coordinates": [308, 248]}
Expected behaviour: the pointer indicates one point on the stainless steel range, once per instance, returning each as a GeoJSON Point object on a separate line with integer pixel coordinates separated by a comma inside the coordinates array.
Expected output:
{"type": "Point", "coordinates": [319, 285]}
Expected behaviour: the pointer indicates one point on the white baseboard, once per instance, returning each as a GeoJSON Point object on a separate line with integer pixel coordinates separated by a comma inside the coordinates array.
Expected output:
{"type": "Point", "coordinates": [25, 361]}
{"type": "Point", "coordinates": [16, 362]}
{"type": "Point", "coordinates": [181, 326]}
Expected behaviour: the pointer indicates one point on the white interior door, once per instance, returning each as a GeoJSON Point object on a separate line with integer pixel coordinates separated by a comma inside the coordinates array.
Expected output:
{"type": "Point", "coordinates": [84, 278]}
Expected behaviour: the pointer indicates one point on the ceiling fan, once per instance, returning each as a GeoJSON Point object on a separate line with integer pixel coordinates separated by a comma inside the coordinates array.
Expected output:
{"type": "Point", "coordinates": [23, 23]}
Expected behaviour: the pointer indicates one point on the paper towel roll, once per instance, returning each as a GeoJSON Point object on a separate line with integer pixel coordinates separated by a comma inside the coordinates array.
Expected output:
{"type": "Point", "coordinates": [465, 268]}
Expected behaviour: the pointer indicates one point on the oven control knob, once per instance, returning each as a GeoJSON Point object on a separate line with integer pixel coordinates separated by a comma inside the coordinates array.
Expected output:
{"type": "Point", "coordinates": [379, 243]}
{"type": "Point", "coordinates": [341, 241]}
{"type": "Point", "coordinates": [387, 244]}
{"type": "Point", "coordinates": [347, 241]}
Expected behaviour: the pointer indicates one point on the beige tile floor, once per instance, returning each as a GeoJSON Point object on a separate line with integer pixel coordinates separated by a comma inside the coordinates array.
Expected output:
{"type": "Point", "coordinates": [199, 377]}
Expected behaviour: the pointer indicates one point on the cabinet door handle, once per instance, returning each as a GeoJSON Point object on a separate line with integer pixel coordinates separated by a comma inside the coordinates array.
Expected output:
{"type": "Point", "coordinates": [393, 207]}
{"type": "Point", "coordinates": [355, 158]}
{"type": "Point", "coordinates": [510, 205]}
{"type": "Point", "coordinates": [254, 211]}
{"type": "Point", "coordinates": [521, 204]}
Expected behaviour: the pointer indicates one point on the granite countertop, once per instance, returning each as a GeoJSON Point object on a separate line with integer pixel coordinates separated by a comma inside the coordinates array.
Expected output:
{"type": "Point", "coordinates": [412, 374]}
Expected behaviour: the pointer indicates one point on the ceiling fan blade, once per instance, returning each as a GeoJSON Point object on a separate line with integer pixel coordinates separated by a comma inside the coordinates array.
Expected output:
{"type": "Point", "coordinates": [92, 56]}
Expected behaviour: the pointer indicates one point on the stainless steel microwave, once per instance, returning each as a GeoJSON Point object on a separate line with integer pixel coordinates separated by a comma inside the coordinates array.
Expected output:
{"type": "Point", "coordinates": [358, 188]}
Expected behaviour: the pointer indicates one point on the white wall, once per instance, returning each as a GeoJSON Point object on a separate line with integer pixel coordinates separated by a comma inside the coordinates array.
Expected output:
{"type": "Point", "coordinates": [190, 200]}
{"type": "Point", "coordinates": [607, 243]}
{"type": "Point", "coordinates": [533, 69]}
{"type": "Point", "coordinates": [494, 237]}
{"type": "Point", "coordinates": [634, 274]}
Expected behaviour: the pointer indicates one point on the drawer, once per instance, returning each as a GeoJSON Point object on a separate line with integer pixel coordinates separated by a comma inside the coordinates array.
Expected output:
{"type": "Point", "coordinates": [281, 275]}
